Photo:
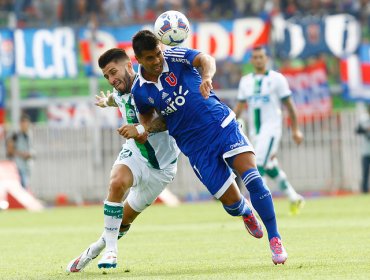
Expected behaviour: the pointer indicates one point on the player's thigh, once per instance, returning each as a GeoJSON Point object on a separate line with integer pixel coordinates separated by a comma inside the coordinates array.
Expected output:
{"type": "Point", "coordinates": [144, 194]}
{"type": "Point", "coordinates": [266, 146]}
{"type": "Point", "coordinates": [211, 169]}
{"type": "Point", "coordinates": [137, 166]}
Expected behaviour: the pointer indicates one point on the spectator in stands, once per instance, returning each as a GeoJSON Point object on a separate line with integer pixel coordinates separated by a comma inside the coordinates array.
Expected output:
{"type": "Point", "coordinates": [363, 129]}
{"type": "Point", "coordinates": [19, 149]}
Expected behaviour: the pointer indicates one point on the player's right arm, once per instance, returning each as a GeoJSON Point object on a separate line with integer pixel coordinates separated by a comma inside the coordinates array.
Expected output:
{"type": "Point", "coordinates": [105, 100]}
{"type": "Point", "coordinates": [150, 122]}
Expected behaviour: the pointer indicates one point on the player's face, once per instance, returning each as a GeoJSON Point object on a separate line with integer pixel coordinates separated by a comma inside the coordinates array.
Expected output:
{"type": "Point", "coordinates": [152, 62]}
{"type": "Point", "coordinates": [259, 60]}
{"type": "Point", "coordinates": [118, 75]}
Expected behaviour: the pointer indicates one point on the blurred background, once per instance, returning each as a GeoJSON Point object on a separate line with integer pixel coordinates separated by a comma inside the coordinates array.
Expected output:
{"type": "Point", "coordinates": [48, 70]}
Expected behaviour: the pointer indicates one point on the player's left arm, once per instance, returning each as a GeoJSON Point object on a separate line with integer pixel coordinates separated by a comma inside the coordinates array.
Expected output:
{"type": "Point", "coordinates": [208, 65]}
{"type": "Point", "coordinates": [296, 132]}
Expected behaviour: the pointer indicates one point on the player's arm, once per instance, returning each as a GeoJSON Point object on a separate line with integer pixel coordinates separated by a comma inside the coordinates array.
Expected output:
{"type": "Point", "coordinates": [208, 65]}
{"type": "Point", "coordinates": [149, 122]}
{"type": "Point", "coordinates": [10, 148]}
{"type": "Point", "coordinates": [239, 108]}
{"type": "Point", "coordinates": [105, 100]}
{"type": "Point", "coordinates": [296, 133]}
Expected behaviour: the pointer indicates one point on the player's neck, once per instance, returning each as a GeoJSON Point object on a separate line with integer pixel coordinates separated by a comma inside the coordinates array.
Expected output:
{"type": "Point", "coordinates": [149, 77]}
{"type": "Point", "coordinates": [261, 71]}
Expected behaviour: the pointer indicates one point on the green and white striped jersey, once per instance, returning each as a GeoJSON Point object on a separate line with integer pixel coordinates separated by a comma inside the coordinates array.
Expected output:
{"type": "Point", "coordinates": [160, 150]}
{"type": "Point", "coordinates": [263, 93]}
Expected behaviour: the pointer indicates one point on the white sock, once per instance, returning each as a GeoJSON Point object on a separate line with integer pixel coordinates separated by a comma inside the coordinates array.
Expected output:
{"type": "Point", "coordinates": [113, 213]}
{"type": "Point", "coordinates": [287, 188]}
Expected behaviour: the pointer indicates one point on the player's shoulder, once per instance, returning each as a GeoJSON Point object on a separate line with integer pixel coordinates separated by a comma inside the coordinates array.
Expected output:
{"type": "Point", "coordinates": [246, 78]}
{"type": "Point", "coordinates": [275, 74]}
{"type": "Point", "coordinates": [175, 52]}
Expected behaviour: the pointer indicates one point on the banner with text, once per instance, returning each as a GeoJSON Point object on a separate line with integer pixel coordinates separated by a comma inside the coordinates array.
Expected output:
{"type": "Point", "coordinates": [228, 39]}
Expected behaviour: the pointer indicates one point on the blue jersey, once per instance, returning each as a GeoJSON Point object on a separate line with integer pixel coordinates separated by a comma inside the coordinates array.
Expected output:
{"type": "Point", "coordinates": [191, 119]}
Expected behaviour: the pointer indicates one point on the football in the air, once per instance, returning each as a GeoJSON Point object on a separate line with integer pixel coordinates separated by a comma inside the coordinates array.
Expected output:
{"type": "Point", "coordinates": [171, 28]}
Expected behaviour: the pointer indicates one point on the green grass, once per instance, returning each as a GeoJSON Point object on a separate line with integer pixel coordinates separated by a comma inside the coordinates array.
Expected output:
{"type": "Point", "coordinates": [329, 240]}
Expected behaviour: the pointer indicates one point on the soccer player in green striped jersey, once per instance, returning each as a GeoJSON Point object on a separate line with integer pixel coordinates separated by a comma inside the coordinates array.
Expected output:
{"type": "Point", "coordinates": [145, 164]}
{"type": "Point", "coordinates": [265, 91]}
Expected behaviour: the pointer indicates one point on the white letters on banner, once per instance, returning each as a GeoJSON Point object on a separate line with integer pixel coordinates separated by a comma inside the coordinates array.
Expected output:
{"type": "Point", "coordinates": [46, 53]}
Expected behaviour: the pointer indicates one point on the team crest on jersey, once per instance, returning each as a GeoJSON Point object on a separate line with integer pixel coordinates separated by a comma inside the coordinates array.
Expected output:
{"type": "Point", "coordinates": [125, 153]}
{"type": "Point", "coordinates": [151, 100]}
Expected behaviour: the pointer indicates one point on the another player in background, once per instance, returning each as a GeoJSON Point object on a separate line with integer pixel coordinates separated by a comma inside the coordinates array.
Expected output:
{"type": "Point", "coordinates": [145, 165]}
{"type": "Point", "coordinates": [265, 91]}
{"type": "Point", "coordinates": [204, 128]}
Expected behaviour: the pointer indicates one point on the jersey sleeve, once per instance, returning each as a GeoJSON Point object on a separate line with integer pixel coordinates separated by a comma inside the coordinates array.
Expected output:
{"type": "Point", "coordinates": [191, 54]}
{"type": "Point", "coordinates": [242, 95]}
{"type": "Point", "coordinates": [283, 89]}
{"type": "Point", "coordinates": [184, 56]}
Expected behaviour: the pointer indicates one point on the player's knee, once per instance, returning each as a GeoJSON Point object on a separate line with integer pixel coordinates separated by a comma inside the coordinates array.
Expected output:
{"type": "Point", "coordinates": [119, 184]}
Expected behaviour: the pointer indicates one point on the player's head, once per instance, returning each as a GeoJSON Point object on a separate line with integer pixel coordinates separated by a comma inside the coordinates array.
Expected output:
{"type": "Point", "coordinates": [117, 69]}
{"type": "Point", "coordinates": [24, 122]}
{"type": "Point", "coordinates": [259, 59]}
{"type": "Point", "coordinates": [148, 52]}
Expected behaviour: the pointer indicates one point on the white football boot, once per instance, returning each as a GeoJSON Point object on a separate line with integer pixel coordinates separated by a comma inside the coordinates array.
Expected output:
{"type": "Point", "coordinates": [108, 260]}
{"type": "Point", "coordinates": [79, 263]}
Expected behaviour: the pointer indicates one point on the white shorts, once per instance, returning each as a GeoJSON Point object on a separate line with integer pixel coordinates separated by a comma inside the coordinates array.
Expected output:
{"type": "Point", "coordinates": [266, 145]}
{"type": "Point", "coordinates": [148, 182]}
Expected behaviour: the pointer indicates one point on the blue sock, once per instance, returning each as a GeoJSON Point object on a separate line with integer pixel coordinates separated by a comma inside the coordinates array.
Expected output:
{"type": "Point", "coordinates": [239, 208]}
{"type": "Point", "coordinates": [261, 200]}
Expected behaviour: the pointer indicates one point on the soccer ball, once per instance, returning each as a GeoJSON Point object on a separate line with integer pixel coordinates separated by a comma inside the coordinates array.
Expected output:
{"type": "Point", "coordinates": [171, 28]}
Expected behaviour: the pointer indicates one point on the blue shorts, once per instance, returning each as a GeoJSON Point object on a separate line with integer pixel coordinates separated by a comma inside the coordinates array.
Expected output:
{"type": "Point", "coordinates": [209, 163]}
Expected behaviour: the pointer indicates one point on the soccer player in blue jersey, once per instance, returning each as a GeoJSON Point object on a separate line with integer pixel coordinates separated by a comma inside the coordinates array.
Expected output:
{"type": "Point", "coordinates": [169, 91]}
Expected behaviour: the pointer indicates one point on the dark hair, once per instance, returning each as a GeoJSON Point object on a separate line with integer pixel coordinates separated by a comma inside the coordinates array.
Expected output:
{"type": "Point", "coordinates": [259, 48]}
{"type": "Point", "coordinates": [24, 117]}
{"type": "Point", "coordinates": [144, 40]}
{"type": "Point", "coordinates": [110, 55]}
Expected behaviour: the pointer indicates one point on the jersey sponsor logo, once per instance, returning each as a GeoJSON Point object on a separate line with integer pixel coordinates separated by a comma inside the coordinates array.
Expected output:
{"type": "Point", "coordinates": [181, 60]}
{"type": "Point", "coordinates": [178, 101]}
{"type": "Point", "coordinates": [130, 113]}
{"type": "Point", "coordinates": [259, 99]}
{"type": "Point", "coordinates": [171, 79]}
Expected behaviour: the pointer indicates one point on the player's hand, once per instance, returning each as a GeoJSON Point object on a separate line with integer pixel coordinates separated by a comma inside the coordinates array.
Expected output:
{"type": "Point", "coordinates": [206, 87]}
{"type": "Point", "coordinates": [102, 99]}
{"type": "Point", "coordinates": [128, 131]}
{"type": "Point", "coordinates": [298, 136]}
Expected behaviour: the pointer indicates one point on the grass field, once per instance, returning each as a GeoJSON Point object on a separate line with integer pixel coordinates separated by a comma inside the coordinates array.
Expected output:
{"type": "Point", "coordinates": [329, 240]}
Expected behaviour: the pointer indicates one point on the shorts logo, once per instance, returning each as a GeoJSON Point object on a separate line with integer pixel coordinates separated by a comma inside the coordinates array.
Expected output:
{"type": "Point", "coordinates": [151, 100]}
{"type": "Point", "coordinates": [125, 153]}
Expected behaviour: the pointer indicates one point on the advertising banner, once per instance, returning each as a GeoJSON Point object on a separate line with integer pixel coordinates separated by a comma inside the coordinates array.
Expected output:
{"type": "Point", "coordinates": [355, 75]}
{"type": "Point", "coordinates": [339, 35]}
{"type": "Point", "coordinates": [6, 53]}
{"type": "Point", "coordinates": [225, 40]}
{"type": "Point", "coordinates": [310, 89]}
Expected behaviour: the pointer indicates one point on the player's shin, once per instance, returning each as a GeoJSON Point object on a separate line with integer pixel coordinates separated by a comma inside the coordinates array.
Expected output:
{"type": "Point", "coordinates": [261, 200]}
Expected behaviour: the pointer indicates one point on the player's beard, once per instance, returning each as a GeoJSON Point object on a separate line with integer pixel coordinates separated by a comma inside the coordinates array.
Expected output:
{"type": "Point", "coordinates": [127, 81]}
